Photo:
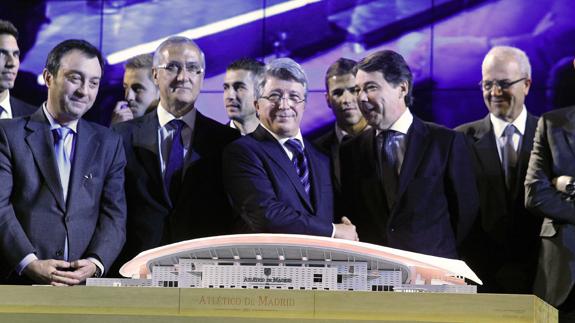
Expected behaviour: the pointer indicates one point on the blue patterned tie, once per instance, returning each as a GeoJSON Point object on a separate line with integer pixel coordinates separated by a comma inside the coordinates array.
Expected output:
{"type": "Point", "coordinates": [63, 159]}
{"type": "Point", "coordinates": [175, 164]}
{"type": "Point", "coordinates": [299, 162]}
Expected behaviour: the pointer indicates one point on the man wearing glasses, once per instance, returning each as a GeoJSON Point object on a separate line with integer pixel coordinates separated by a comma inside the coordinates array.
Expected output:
{"type": "Point", "coordinates": [504, 245]}
{"type": "Point", "coordinates": [173, 177]}
{"type": "Point", "coordinates": [277, 181]}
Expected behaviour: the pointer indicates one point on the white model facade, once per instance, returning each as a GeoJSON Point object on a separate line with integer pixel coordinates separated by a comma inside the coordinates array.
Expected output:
{"type": "Point", "coordinates": [295, 262]}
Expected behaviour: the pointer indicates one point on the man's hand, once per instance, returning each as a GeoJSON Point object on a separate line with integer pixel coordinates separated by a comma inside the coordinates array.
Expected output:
{"type": "Point", "coordinates": [43, 271]}
{"type": "Point", "coordinates": [82, 270]}
{"type": "Point", "coordinates": [345, 230]}
{"type": "Point", "coordinates": [121, 112]}
{"type": "Point", "coordinates": [561, 183]}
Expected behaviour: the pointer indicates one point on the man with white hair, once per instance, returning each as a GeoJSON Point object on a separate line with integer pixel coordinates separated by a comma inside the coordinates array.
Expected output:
{"type": "Point", "coordinates": [503, 246]}
{"type": "Point", "coordinates": [276, 180]}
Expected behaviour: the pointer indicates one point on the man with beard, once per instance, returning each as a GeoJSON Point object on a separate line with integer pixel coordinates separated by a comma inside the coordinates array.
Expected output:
{"type": "Point", "coordinates": [140, 93]}
{"type": "Point", "coordinates": [406, 183]}
{"type": "Point", "coordinates": [340, 97]}
{"type": "Point", "coordinates": [240, 82]}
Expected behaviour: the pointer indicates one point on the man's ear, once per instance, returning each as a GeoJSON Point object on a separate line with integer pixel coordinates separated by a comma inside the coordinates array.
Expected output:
{"type": "Point", "coordinates": [47, 76]}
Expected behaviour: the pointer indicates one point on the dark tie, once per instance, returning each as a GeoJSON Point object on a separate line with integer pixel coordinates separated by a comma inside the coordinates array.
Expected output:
{"type": "Point", "coordinates": [389, 173]}
{"type": "Point", "coordinates": [509, 156]}
{"type": "Point", "coordinates": [64, 164]}
{"type": "Point", "coordinates": [175, 164]}
{"type": "Point", "coordinates": [299, 162]}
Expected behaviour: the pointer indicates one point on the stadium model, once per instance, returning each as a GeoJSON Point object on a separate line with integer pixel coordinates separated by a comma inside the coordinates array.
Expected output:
{"type": "Point", "coordinates": [285, 261]}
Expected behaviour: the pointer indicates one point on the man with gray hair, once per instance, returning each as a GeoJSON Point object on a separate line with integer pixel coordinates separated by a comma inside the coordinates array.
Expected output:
{"type": "Point", "coordinates": [173, 178]}
{"type": "Point", "coordinates": [503, 246]}
{"type": "Point", "coordinates": [141, 95]}
{"type": "Point", "coordinates": [276, 180]}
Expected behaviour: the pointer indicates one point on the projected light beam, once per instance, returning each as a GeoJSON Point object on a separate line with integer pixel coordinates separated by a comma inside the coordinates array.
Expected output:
{"type": "Point", "coordinates": [210, 29]}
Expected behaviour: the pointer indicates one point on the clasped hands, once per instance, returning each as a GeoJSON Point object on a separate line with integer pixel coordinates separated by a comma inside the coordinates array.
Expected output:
{"type": "Point", "coordinates": [60, 273]}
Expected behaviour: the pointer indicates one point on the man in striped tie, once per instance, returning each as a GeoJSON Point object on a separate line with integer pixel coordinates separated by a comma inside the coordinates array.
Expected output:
{"type": "Point", "coordinates": [277, 181]}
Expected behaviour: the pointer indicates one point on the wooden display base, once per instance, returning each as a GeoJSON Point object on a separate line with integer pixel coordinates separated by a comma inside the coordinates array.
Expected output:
{"type": "Point", "coordinates": [142, 305]}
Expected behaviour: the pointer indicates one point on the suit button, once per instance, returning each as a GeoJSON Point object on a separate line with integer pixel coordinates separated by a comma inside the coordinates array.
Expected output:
{"type": "Point", "coordinates": [59, 253]}
{"type": "Point", "coordinates": [392, 230]}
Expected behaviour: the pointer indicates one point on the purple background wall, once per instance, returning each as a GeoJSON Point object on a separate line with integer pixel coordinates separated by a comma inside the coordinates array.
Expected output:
{"type": "Point", "coordinates": [444, 42]}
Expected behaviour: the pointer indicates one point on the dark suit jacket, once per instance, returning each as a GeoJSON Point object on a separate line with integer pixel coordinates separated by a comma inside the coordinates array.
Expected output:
{"type": "Point", "coordinates": [21, 108]}
{"type": "Point", "coordinates": [329, 145]}
{"type": "Point", "coordinates": [503, 246]}
{"type": "Point", "coordinates": [33, 215]}
{"type": "Point", "coordinates": [266, 192]}
{"type": "Point", "coordinates": [436, 201]}
{"type": "Point", "coordinates": [553, 155]}
{"type": "Point", "coordinates": [201, 209]}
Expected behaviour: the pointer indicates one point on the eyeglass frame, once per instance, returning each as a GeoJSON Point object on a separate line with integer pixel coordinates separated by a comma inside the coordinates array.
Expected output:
{"type": "Point", "coordinates": [499, 84]}
{"type": "Point", "coordinates": [281, 98]}
{"type": "Point", "coordinates": [180, 68]}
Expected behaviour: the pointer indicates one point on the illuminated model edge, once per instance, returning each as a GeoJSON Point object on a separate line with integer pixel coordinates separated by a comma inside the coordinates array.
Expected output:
{"type": "Point", "coordinates": [287, 261]}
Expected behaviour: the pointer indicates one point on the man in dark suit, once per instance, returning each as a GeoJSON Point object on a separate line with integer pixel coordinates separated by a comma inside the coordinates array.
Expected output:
{"type": "Point", "coordinates": [277, 181]}
{"type": "Point", "coordinates": [62, 203]}
{"type": "Point", "coordinates": [550, 194]}
{"type": "Point", "coordinates": [240, 82]}
{"type": "Point", "coordinates": [173, 176]}
{"type": "Point", "coordinates": [407, 184]}
{"type": "Point", "coordinates": [340, 97]}
{"type": "Point", "coordinates": [141, 95]}
{"type": "Point", "coordinates": [10, 107]}
{"type": "Point", "coordinates": [502, 248]}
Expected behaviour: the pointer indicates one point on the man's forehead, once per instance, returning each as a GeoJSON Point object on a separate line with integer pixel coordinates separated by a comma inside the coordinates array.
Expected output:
{"type": "Point", "coordinates": [8, 41]}
{"type": "Point", "coordinates": [181, 51]}
{"type": "Point", "coordinates": [341, 80]}
{"type": "Point", "coordinates": [77, 61]}
{"type": "Point", "coordinates": [273, 83]}
{"type": "Point", "coordinates": [238, 75]}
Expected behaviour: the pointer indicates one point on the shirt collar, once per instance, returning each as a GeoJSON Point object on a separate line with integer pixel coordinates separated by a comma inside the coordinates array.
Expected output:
{"type": "Point", "coordinates": [5, 104]}
{"type": "Point", "coordinates": [164, 117]}
{"type": "Point", "coordinates": [340, 133]}
{"type": "Point", "coordinates": [402, 124]}
{"type": "Point", "coordinates": [519, 123]}
{"type": "Point", "coordinates": [282, 141]}
{"type": "Point", "coordinates": [73, 125]}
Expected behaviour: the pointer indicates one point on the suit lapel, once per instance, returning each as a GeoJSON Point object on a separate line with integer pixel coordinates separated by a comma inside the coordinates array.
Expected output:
{"type": "Point", "coordinates": [145, 139]}
{"type": "Point", "coordinates": [85, 148]}
{"type": "Point", "coordinates": [417, 142]}
{"type": "Point", "coordinates": [569, 132]}
{"type": "Point", "coordinates": [525, 152]}
{"type": "Point", "coordinates": [312, 157]}
{"type": "Point", "coordinates": [487, 153]}
{"type": "Point", "coordinates": [38, 139]}
{"type": "Point", "coordinates": [276, 153]}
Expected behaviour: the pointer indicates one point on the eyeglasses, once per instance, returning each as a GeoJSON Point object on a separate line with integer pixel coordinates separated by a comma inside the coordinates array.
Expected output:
{"type": "Point", "coordinates": [501, 84]}
{"type": "Point", "coordinates": [176, 68]}
{"type": "Point", "coordinates": [276, 98]}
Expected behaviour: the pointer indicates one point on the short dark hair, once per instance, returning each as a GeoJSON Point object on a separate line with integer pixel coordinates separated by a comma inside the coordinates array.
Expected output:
{"type": "Point", "coordinates": [342, 66]}
{"type": "Point", "coordinates": [7, 27]}
{"type": "Point", "coordinates": [256, 67]}
{"type": "Point", "coordinates": [142, 61]}
{"type": "Point", "coordinates": [55, 56]}
{"type": "Point", "coordinates": [393, 67]}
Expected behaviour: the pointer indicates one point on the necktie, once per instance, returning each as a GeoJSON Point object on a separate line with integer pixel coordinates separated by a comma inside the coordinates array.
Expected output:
{"type": "Point", "coordinates": [388, 159]}
{"type": "Point", "coordinates": [299, 162]}
{"type": "Point", "coordinates": [175, 164]}
{"type": "Point", "coordinates": [64, 165]}
{"type": "Point", "coordinates": [62, 157]}
{"type": "Point", "coordinates": [509, 156]}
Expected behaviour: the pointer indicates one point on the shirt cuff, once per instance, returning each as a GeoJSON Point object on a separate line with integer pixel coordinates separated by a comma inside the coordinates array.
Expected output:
{"type": "Point", "coordinates": [333, 231]}
{"type": "Point", "coordinates": [25, 262]}
{"type": "Point", "coordinates": [98, 264]}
